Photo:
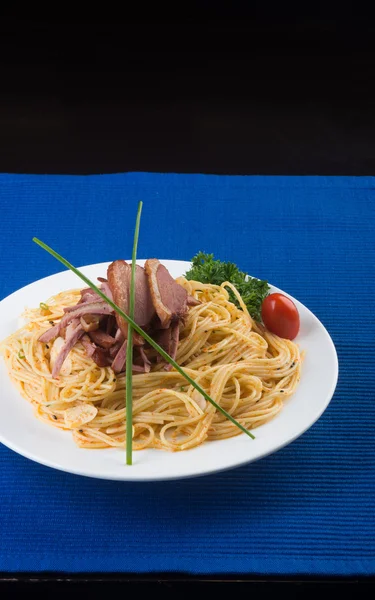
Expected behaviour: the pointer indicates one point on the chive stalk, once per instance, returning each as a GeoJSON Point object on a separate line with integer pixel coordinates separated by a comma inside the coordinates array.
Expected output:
{"type": "Point", "coordinates": [139, 330]}
{"type": "Point", "coordinates": [129, 348]}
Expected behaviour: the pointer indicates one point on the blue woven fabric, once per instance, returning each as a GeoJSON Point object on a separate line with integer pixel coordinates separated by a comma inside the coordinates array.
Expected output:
{"type": "Point", "coordinates": [306, 509]}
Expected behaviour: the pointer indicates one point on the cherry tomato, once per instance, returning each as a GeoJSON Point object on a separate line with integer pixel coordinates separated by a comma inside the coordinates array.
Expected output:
{"type": "Point", "coordinates": [280, 316]}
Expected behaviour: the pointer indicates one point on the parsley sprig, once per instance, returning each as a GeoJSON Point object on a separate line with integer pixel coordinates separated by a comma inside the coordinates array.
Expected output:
{"type": "Point", "coordinates": [208, 270]}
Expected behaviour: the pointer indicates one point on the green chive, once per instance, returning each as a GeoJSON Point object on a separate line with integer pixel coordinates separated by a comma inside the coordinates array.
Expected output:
{"type": "Point", "coordinates": [129, 348]}
{"type": "Point", "coordinates": [21, 354]}
{"type": "Point", "coordinates": [43, 306]}
{"type": "Point", "coordinates": [138, 329]}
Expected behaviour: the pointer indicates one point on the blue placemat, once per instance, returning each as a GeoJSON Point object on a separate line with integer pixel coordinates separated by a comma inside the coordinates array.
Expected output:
{"type": "Point", "coordinates": [307, 509]}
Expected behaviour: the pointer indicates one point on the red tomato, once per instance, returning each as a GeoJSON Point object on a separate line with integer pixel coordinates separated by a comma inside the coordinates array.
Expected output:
{"type": "Point", "coordinates": [280, 316]}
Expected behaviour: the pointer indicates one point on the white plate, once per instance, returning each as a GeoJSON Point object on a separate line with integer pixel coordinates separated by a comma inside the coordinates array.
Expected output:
{"type": "Point", "coordinates": [23, 433]}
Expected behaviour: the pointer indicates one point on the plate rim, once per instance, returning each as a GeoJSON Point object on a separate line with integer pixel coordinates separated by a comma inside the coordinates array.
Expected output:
{"type": "Point", "coordinates": [126, 476]}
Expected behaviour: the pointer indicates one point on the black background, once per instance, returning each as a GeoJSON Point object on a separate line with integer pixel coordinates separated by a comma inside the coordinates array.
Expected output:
{"type": "Point", "coordinates": [218, 88]}
{"type": "Point", "coordinates": [230, 94]}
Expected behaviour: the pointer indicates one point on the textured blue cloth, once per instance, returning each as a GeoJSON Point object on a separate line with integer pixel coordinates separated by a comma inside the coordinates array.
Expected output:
{"type": "Point", "coordinates": [306, 509]}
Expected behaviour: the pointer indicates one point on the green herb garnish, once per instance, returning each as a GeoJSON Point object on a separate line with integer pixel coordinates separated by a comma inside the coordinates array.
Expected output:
{"type": "Point", "coordinates": [43, 306]}
{"type": "Point", "coordinates": [139, 330]}
{"type": "Point", "coordinates": [208, 270]}
{"type": "Point", "coordinates": [129, 348]}
{"type": "Point", "coordinates": [21, 354]}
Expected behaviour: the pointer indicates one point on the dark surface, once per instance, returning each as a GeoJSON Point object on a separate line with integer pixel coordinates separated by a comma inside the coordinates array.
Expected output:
{"type": "Point", "coordinates": [220, 97]}
{"type": "Point", "coordinates": [169, 586]}
{"type": "Point", "coordinates": [230, 95]}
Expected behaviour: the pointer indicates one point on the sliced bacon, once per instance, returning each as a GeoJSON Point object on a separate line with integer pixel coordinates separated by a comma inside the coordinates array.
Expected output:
{"type": "Point", "coordinates": [160, 306]}
{"type": "Point", "coordinates": [119, 361]}
{"type": "Point", "coordinates": [168, 297]}
{"type": "Point", "coordinates": [74, 332]}
{"type": "Point", "coordinates": [114, 349]}
{"type": "Point", "coordinates": [50, 334]}
{"type": "Point", "coordinates": [99, 355]}
{"type": "Point", "coordinates": [102, 339]}
{"type": "Point", "coordinates": [88, 295]}
{"type": "Point", "coordinates": [168, 339]}
{"type": "Point", "coordinates": [191, 301]}
{"type": "Point", "coordinates": [119, 337]}
{"type": "Point", "coordinates": [87, 308]}
{"type": "Point", "coordinates": [138, 369]}
{"type": "Point", "coordinates": [91, 302]}
{"type": "Point", "coordinates": [146, 362]}
{"type": "Point", "coordinates": [175, 338]}
{"type": "Point", "coordinates": [119, 277]}
{"type": "Point", "coordinates": [101, 358]}
{"type": "Point", "coordinates": [106, 290]}
{"type": "Point", "coordinates": [110, 324]}
{"type": "Point", "coordinates": [73, 312]}
{"type": "Point", "coordinates": [88, 345]}
{"type": "Point", "coordinates": [118, 274]}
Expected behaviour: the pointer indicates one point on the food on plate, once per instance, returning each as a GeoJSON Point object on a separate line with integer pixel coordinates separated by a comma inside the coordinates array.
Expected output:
{"type": "Point", "coordinates": [69, 359]}
{"type": "Point", "coordinates": [206, 269]}
{"type": "Point", "coordinates": [280, 315]}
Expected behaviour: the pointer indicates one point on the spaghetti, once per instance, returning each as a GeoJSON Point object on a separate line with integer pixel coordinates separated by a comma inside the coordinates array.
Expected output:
{"type": "Point", "coordinates": [246, 369]}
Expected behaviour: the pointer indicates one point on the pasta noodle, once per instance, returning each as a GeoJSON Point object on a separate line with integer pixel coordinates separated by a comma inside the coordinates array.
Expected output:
{"type": "Point", "coordinates": [246, 369]}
